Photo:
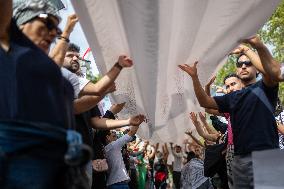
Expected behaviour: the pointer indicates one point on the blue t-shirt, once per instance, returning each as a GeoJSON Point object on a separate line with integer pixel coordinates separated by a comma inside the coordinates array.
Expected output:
{"type": "Point", "coordinates": [32, 88]}
{"type": "Point", "coordinates": [253, 122]}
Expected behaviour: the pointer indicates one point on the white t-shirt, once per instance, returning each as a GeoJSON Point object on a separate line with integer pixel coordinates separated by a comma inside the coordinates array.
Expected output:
{"type": "Point", "coordinates": [117, 171]}
{"type": "Point", "coordinates": [177, 161]}
{"type": "Point", "coordinates": [280, 118]}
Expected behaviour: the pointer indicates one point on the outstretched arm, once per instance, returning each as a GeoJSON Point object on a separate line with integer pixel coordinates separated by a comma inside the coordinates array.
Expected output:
{"type": "Point", "coordinates": [153, 152]}
{"type": "Point", "coordinates": [208, 85]}
{"type": "Point", "coordinates": [107, 80]}
{"type": "Point", "coordinates": [203, 99]}
{"type": "Point", "coordinates": [57, 54]}
{"type": "Point", "coordinates": [87, 102]}
{"type": "Point", "coordinates": [135, 122]}
{"type": "Point", "coordinates": [210, 130]}
{"type": "Point", "coordinates": [194, 138]}
{"type": "Point", "coordinates": [104, 123]}
{"type": "Point", "coordinates": [165, 152]}
{"type": "Point", "coordinates": [207, 91]}
{"type": "Point", "coordinates": [213, 112]}
{"type": "Point", "coordinates": [157, 146]}
{"type": "Point", "coordinates": [206, 136]}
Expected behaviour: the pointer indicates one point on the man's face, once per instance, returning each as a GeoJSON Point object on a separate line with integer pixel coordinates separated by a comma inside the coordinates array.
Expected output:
{"type": "Point", "coordinates": [71, 61]}
{"type": "Point", "coordinates": [233, 84]}
{"type": "Point", "coordinates": [245, 70]}
{"type": "Point", "coordinates": [41, 31]}
{"type": "Point", "coordinates": [178, 149]}
{"type": "Point", "coordinates": [112, 137]}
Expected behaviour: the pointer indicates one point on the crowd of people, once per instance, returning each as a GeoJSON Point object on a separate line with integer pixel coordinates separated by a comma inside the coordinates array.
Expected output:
{"type": "Point", "coordinates": [53, 134]}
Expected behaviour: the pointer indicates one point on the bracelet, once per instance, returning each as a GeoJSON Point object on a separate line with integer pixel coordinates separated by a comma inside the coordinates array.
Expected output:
{"type": "Point", "coordinates": [64, 39]}
{"type": "Point", "coordinates": [118, 66]}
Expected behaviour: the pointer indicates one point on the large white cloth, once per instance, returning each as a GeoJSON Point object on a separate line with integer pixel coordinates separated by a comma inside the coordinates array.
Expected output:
{"type": "Point", "coordinates": [159, 35]}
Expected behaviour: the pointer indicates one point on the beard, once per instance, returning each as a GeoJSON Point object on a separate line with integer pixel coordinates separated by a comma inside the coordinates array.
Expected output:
{"type": "Point", "coordinates": [247, 78]}
{"type": "Point", "coordinates": [74, 67]}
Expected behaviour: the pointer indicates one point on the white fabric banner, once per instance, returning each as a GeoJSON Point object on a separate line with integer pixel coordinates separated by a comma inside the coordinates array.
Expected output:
{"type": "Point", "coordinates": [159, 35]}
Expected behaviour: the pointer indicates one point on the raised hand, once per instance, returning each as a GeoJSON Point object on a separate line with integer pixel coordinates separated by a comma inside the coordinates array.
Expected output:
{"type": "Point", "coordinates": [136, 120]}
{"type": "Point", "coordinates": [116, 108]}
{"type": "Point", "coordinates": [208, 85]}
{"type": "Point", "coordinates": [188, 132]}
{"type": "Point", "coordinates": [211, 81]}
{"type": "Point", "coordinates": [202, 116]}
{"type": "Point", "coordinates": [193, 117]}
{"type": "Point", "coordinates": [254, 41]}
{"type": "Point", "coordinates": [191, 70]}
{"type": "Point", "coordinates": [220, 90]}
{"type": "Point", "coordinates": [240, 49]}
{"type": "Point", "coordinates": [70, 24]}
{"type": "Point", "coordinates": [125, 61]}
{"type": "Point", "coordinates": [185, 141]}
{"type": "Point", "coordinates": [146, 143]}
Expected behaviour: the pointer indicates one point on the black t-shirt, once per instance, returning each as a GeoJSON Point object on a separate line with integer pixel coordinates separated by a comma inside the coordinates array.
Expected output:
{"type": "Point", "coordinates": [32, 87]}
{"type": "Point", "coordinates": [83, 124]}
{"type": "Point", "coordinates": [98, 147]}
{"type": "Point", "coordinates": [251, 111]}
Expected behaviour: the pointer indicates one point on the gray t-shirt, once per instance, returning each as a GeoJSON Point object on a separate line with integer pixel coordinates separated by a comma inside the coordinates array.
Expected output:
{"type": "Point", "coordinates": [117, 171]}
{"type": "Point", "coordinates": [83, 82]}
{"type": "Point", "coordinates": [73, 79]}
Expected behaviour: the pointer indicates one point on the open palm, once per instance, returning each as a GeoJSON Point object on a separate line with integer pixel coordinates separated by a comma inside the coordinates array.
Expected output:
{"type": "Point", "coordinates": [240, 49]}
{"type": "Point", "coordinates": [202, 116]}
{"type": "Point", "coordinates": [193, 117]}
{"type": "Point", "coordinates": [191, 70]}
{"type": "Point", "coordinates": [254, 41]}
{"type": "Point", "coordinates": [137, 120]}
{"type": "Point", "coordinates": [211, 81]}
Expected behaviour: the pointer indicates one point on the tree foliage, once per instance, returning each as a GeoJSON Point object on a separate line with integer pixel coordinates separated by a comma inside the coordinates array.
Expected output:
{"type": "Point", "coordinates": [272, 34]}
{"type": "Point", "coordinates": [86, 64]}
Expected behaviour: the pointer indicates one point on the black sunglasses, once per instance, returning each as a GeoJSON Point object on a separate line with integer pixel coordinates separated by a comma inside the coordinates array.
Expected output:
{"type": "Point", "coordinates": [49, 24]}
{"type": "Point", "coordinates": [240, 63]}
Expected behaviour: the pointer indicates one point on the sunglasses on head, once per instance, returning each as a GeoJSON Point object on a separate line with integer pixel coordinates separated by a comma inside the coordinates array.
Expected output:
{"type": "Point", "coordinates": [241, 63]}
{"type": "Point", "coordinates": [49, 23]}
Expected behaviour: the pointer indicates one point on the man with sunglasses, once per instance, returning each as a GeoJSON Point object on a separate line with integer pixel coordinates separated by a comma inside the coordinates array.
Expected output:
{"type": "Point", "coordinates": [245, 70]}
{"type": "Point", "coordinates": [251, 112]}
{"type": "Point", "coordinates": [268, 64]}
